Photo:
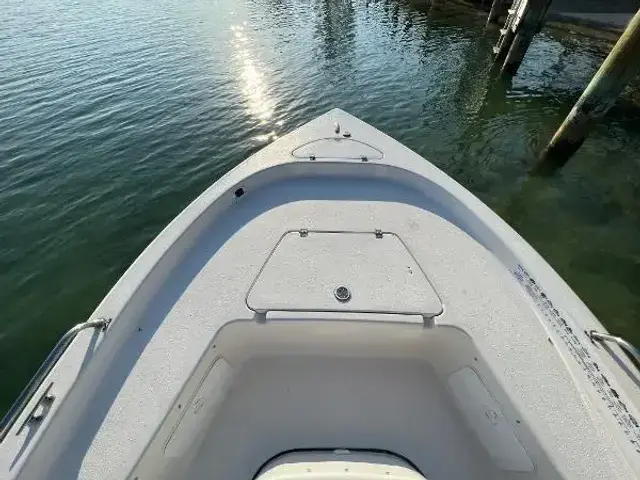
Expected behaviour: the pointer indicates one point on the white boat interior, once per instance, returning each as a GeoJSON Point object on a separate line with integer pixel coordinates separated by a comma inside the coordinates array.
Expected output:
{"type": "Point", "coordinates": [335, 307]}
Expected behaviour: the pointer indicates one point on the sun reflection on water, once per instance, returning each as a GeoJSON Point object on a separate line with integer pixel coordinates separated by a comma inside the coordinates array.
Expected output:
{"type": "Point", "coordinates": [252, 81]}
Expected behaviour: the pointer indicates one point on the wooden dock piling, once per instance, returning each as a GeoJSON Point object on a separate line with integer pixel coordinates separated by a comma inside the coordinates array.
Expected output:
{"type": "Point", "coordinates": [511, 25]}
{"type": "Point", "coordinates": [495, 12]}
{"type": "Point", "coordinates": [622, 64]}
{"type": "Point", "coordinates": [531, 23]}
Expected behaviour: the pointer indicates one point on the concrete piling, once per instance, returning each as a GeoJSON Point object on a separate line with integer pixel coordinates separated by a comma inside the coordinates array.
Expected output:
{"type": "Point", "coordinates": [622, 64]}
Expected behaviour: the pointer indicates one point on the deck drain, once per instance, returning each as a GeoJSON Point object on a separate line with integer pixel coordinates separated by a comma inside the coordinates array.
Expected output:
{"type": "Point", "coordinates": [342, 293]}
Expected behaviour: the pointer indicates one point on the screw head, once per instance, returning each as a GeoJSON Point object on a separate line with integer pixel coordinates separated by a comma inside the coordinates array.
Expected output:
{"type": "Point", "coordinates": [342, 293]}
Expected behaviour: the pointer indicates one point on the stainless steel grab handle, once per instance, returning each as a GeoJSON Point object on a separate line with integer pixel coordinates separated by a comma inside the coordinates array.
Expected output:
{"type": "Point", "coordinates": [36, 381]}
{"type": "Point", "coordinates": [621, 342]}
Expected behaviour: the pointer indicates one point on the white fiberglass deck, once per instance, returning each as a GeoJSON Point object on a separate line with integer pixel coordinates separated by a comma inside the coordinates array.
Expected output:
{"type": "Point", "coordinates": [228, 347]}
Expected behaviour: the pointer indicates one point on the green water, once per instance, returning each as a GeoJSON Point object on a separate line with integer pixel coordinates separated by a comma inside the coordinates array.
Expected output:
{"type": "Point", "coordinates": [114, 114]}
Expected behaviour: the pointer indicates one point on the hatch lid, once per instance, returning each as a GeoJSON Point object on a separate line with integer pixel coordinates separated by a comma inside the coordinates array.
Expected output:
{"type": "Point", "coordinates": [337, 147]}
{"type": "Point", "coordinates": [370, 272]}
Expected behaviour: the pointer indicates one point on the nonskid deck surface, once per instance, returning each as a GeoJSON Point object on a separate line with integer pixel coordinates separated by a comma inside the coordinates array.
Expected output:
{"type": "Point", "coordinates": [209, 290]}
{"type": "Point", "coordinates": [133, 394]}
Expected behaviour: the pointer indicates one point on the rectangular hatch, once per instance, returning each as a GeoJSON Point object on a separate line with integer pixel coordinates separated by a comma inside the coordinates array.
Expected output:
{"type": "Point", "coordinates": [343, 271]}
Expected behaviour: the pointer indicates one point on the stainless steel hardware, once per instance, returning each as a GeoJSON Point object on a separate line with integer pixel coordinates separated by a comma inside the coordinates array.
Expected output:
{"type": "Point", "coordinates": [36, 381]}
{"type": "Point", "coordinates": [621, 342]}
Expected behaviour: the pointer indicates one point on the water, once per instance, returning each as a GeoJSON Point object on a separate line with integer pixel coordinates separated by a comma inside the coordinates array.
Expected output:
{"type": "Point", "coordinates": [114, 114]}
